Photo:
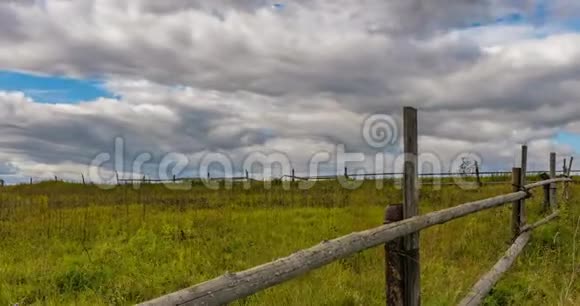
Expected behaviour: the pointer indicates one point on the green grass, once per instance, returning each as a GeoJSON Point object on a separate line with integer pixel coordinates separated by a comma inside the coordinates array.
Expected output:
{"type": "Point", "coordinates": [72, 244]}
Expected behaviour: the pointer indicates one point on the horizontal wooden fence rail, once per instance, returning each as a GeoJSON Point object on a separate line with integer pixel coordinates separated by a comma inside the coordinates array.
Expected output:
{"type": "Point", "coordinates": [486, 283]}
{"type": "Point", "coordinates": [539, 223]}
{"type": "Point", "coordinates": [386, 175]}
{"type": "Point", "coordinates": [233, 286]}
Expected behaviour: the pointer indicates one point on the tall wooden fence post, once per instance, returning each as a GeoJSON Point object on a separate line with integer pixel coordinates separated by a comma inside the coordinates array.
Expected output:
{"type": "Point", "coordinates": [394, 260]}
{"type": "Point", "coordinates": [516, 205]}
{"type": "Point", "coordinates": [564, 169]}
{"type": "Point", "coordinates": [477, 174]}
{"type": "Point", "coordinates": [523, 182]}
{"type": "Point", "coordinates": [553, 202]}
{"type": "Point", "coordinates": [411, 264]}
{"type": "Point", "coordinates": [546, 188]}
{"type": "Point", "coordinates": [567, 184]}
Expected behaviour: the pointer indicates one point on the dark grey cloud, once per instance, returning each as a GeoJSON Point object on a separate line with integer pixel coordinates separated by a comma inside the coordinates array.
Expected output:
{"type": "Point", "coordinates": [307, 51]}
{"type": "Point", "coordinates": [238, 76]}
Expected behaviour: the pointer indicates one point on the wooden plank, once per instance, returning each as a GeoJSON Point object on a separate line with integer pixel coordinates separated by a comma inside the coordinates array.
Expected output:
{"type": "Point", "coordinates": [411, 261]}
{"type": "Point", "coordinates": [486, 283]}
{"type": "Point", "coordinates": [516, 205]}
{"type": "Point", "coordinates": [394, 260]}
{"type": "Point", "coordinates": [233, 286]}
{"type": "Point", "coordinates": [549, 218]}
{"type": "Point", "coordinates": [547, 182]}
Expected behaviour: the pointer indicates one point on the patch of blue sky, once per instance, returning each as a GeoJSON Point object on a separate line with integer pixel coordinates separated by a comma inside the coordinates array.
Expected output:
{"type": "Point", "coordinates": [53, 89]}
{"type": "Point", "coordinates": [541, 16]}
{"type": "Point", "coordinates": [509, 19]}
{"type": "Point", "coordinates": [571, 139]}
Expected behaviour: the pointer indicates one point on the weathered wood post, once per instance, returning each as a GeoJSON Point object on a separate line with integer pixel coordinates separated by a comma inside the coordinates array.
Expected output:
{"type": "Point", "coordinates": [83, 178]}
{"type": "Point", "coordinates": [516, 205]}
{"type": "Point", "coordinates": [247, 176]}
{"type": "Point", "coordinates": [346, 173]}
{"type": "Point", "coordinates": [567, 173]}
{"type": "Point", "coordinates": [564, 169]}
{"type": "Point", "coordinates": [524, 164]}
{"type": "Point", "coordinates": [394, 260]}
{"type": "Point", "coordinates": [293, 175]}
{"type": "Point", "coordinates": [411, 265]}
{"type": "Point", "coordinates": [174, 179]}
{"type": "Point", "coordinates": [553, 202]}
{"type": "Point", "coordinates": [523, 182]}
{"type": "Point", "coordinates": [30, 181]}
{"type": "Point", "coordinates": [477, 174]}
{"type": "Point", "coordinates": [546, 188]}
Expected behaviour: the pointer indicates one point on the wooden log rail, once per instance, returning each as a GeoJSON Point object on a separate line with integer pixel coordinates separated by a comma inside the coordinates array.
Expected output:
{"type": "Point", "coordinates": [233, 286]}
{"type": "Point", "coordinates": [486, 283]}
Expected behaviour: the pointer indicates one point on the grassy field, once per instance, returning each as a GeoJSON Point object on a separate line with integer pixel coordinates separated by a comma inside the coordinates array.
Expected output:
{"type": "Point", "coordinates": [72, 244]}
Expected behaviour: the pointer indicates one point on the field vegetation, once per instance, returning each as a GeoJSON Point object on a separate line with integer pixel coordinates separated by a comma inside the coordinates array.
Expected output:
{"type": "Point", "coordinates": [71, 244]}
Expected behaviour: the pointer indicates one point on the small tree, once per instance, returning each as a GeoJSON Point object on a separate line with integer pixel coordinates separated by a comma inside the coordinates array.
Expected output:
{"type": "Point", "coordinates": [467, 166]}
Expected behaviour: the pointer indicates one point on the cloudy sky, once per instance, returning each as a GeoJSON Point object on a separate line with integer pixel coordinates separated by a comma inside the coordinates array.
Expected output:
{"type": "Point", "coordinates": [297, 77]}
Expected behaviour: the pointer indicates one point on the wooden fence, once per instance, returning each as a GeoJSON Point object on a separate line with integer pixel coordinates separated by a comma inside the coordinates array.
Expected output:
{"type": "Point", "coordinates": [400, 234]}
{"type": "Point", "coordinates": [477, 176]}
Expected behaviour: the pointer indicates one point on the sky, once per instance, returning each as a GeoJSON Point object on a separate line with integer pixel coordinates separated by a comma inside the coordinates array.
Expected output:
{"type": "Point", "coordinates": [296, 77]}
